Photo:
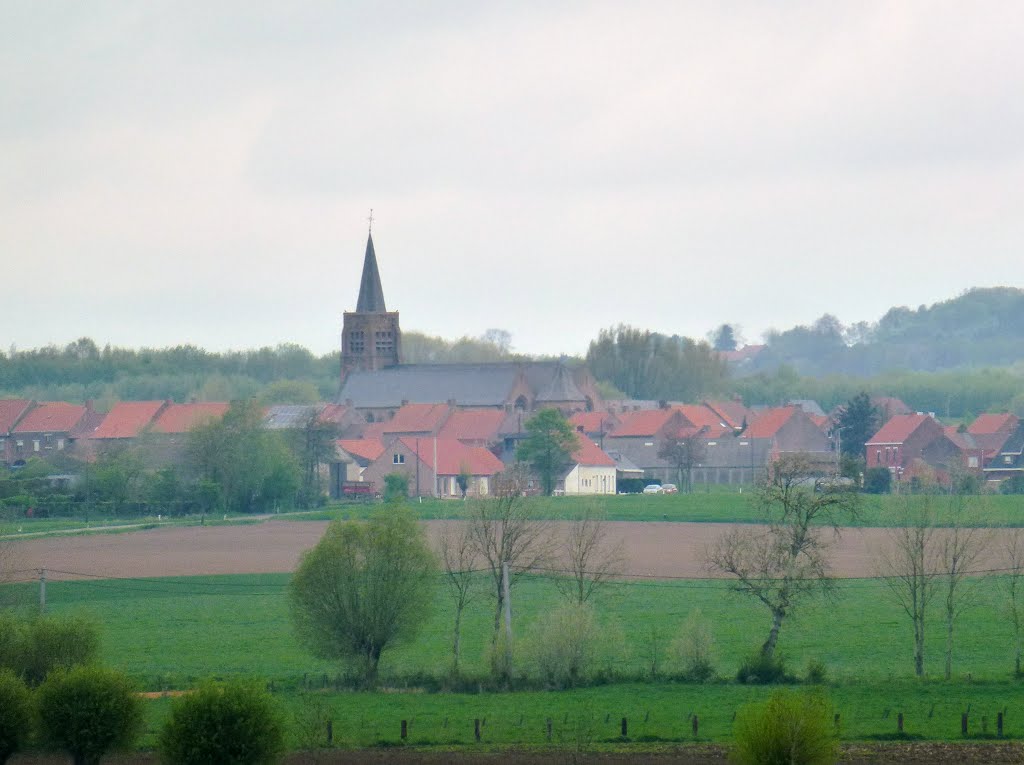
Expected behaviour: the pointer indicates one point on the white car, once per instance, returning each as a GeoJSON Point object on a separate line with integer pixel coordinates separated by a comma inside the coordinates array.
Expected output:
{"type": "Point", "coordinates": [652, 488]}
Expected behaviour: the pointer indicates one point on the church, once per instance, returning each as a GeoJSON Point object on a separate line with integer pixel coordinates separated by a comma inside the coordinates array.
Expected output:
{"type": "Point", "coordinates": [375, 382]}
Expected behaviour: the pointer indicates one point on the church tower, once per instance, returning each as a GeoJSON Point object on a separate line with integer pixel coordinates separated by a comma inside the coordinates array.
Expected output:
{"type": "Point", "coordinates": [370, 337]}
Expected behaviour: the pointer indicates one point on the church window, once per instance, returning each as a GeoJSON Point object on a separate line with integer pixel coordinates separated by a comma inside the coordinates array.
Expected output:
{"type": "Point", "coordinates": [357, 342]}
{"type": "Point", "coordinates": [384, 342]}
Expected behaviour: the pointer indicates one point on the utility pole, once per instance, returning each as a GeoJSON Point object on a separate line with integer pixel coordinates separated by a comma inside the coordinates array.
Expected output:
{"type": "Point", "coordinates": [42, 591]}
{"type": "Point", "coordinates": [434, 492]}
{"type": "Point", "coordinates": [508, 612]}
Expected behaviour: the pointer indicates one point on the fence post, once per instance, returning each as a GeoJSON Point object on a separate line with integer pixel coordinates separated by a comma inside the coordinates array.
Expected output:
{"type": "Point", "coordinates": [695, 726]}
{"type": "Point", "coordinates": [899, 723]}
{"type": "Point", "coordinates": [999, 724]}
{"type": "Point", "coordinates": [405, 729]}
{"type": "Point", "coordinates": [549, 728]}
{"type": "Point", "coordinates": [963, 724]}
{"type": "Point", "coordinates": [836, 720]}
{"type": "Point", "coordinates": [624, 727]}
{"type": "Point", "coordinates": [476, 728]}
{"type": "Point", "coordinates": [330, 732]}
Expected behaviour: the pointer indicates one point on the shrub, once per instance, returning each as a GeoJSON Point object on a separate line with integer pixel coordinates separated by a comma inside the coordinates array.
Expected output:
{"type": "Point", "coordinates": [877, 480]}
{"type": "Point", "coordinates": [33, 649]}
{"type": "Point", "coordinates": [786, 729]}
{"type": "Point", "coordinates": [817, 673]}
{"type": "Point", "coordinates": [693, 649]}
{"type": "Point", "coordinates": [88, 711]}
{"type": "Point", "coordinates": [564, 645]}
{"type": "Point", "coordinates": [1014, 485]}
{"type": "Point", "coordinates": [15, 714]}
{"type": "Point", "coordinates": [228, 724]}
{"type": "Point", "coordinates": [759, 669]}
{"type": "Point", "coordinates": [396, 487]}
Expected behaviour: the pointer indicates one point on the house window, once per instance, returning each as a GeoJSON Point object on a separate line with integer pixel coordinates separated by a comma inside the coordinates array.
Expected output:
{"type": "Point", "coordinates": [35, 445]}
{"type": "Point", "coordinates": [356, 341]}
{"type": "Point", "coordinates": [972, 462]}
{"type": "Point", "coordinates": [398, 459]}
{"type": "Point", "coordinates": [60, 444]}
{"type": "Point", "coordinates": [1007, 459]}
{"type": "Point", "coordinates": [878, 456]}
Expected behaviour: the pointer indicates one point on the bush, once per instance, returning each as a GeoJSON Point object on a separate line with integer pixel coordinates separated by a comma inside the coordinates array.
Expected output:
{"type": "Point", "coordinates": [228, 724]}
{"type": "Point", "coordinates": [786, 729]}
{"type": "Point", "coordinates": [396, 487]}
{"type": "Point", "coordinates": [564, 645]}
{"type": "Point", "coordinates": [1014, 485]}
{"type": "Point", "coordinates": [817, 673]}
{"type": "Point", "coordinates": [15, 714]}
{"type": "Point", "coordinates": [693, 650]}
{"type": "Point", "coordinates": [759, 669]}
{"type": "Point", "coordinates": [88, 711]}
{"type": "Point", "coordinates": [877, 480]}
{"type": "Point", "coordinates": [32, 649]}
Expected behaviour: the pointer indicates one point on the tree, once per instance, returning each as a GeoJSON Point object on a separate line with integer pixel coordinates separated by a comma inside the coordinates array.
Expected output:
{"type": "Point", "coordinates": [724, 338]}
{"type": "Point", "coordinates": [88, 711]}
{"type": "Point", "coordinates": [787, 561]}
{"type": "Point", "coordinates": [877, 480]}
{"type": "Point", "coordinates": [459, 559]}
{"type": "Point", "coordinates": [364, 587]}
{"type": "Point", "coordinates": [684, 453]}
{"type": "Point", "coordinates": [592, 558]}
{"type": "Point", "coordinates": [549, 442]}
{"type": "Point", "coordinates": [960, 548]}
{"type": "Point", "coordinates": [857, 421]}
{"type": "Point", "coordinates": [15, 714]}
{"type": "Point", "coordinates": [506, 531]}
{"type": "Point", "coordinates": [1011, 560]}
{"type": "Point", "coordinates": [251, 465]}
{"type": "Point", "coordinates": [225, 723]}
{"type": "Point", "coordinates": [791, 728]}
{"type": "Point", "coordinates": [314, 447]}
{"type": "Point", "coordinates": [910, 563]}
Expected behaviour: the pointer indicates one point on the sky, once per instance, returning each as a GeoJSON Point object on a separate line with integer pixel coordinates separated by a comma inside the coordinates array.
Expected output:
{"type": "Point", "coordinates": [195, 172]}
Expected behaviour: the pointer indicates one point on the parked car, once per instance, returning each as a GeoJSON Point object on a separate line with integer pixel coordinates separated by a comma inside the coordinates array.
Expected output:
{"type": "Point", "coordinates": [652, 488]}
{"type": "Point", "coordinates": [669, 488]}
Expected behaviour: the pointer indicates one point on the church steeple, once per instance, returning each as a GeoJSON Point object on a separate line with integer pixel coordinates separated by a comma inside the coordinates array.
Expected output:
{"type": "Point", "coordinates": [371, 294]}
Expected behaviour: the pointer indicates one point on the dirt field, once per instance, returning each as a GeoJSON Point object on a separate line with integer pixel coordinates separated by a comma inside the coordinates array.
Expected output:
{"type": "Point", "coordinates": [653, 549]}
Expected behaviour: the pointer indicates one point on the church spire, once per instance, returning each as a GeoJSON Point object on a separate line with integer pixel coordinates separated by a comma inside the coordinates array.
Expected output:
{"type": "Point", "coordinates": [371, 294]}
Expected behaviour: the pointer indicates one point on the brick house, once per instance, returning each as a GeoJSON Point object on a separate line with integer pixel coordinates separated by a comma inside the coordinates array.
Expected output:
{"type": "Point", "coordinates": [50, 428]}
{"type": "Point", "coordinates": [433, 465]}
{"type": "Point", "coordinates": [789, 429]}
{"type": "Point", "coordinates": [1009, 461]}
{"type": "Point", "coordinates": [991, 431]}
{"type": "Point", "coordinates": [12, 410]}
{"type": "Point", "coordinates": [902, 440]}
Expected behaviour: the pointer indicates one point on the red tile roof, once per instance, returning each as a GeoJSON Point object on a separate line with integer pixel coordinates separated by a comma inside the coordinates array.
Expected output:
{"type": "Point", "coordinates": [11, 410]}
{"type": "Point", "coordinates": [590, 454]}
{"type": "Point", "coordinates": [181, 418]}
{"type": "Point", "coordinates": [594, 422]}
{"type": "Point", "coordinates": [987, 424]}
{"type": "Point", "coordinates": [54, 417]}
{"type": "Point", "coordinates": [898, 429]}
{"type": "Point", "coordinates": [127, 419]}
{"type": "Point", "coordinates": [333, 413]}
{"type": "Point", "coordinates": [453, 456]}
{"type": "Point", "coordinates": [417, 418]}
{"type": "Point", "coordinates": [473, 425]}
{"type": "Point", "coordinates": [823, 421]}
{"type": "Point", "coordinates": [703, 417]}
{"type": "Point", "coordinates": [768, 422]}
{"type": "Point", "coordinates": [646, 422]}
{"type": "Point", "coordinates": [733, 412]}
{"type": "Point", "coordinates": [367, 448]}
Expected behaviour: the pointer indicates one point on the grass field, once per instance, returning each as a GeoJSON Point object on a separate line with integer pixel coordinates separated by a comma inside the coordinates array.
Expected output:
{"type": "Point", "coordinates": [172, 632]}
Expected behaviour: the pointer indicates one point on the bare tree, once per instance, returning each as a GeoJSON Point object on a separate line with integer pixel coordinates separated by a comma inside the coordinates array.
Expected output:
{"type": "Point", "coordinates": [1011, 560]}
{"type": "Point", "coordinates": [684, 453]}
{"type": "Point", "coordinates": [787, 561]}
{"type": "Point", "coordinates": [459, 558]}
{"type": "Point", "coordinates": [910, 564]}
{"type": "Point", "coordinates": [591, 557]}
{"type": "Point", "coordinates": [960, 548]}
{"type": "Point", "coordinates": [505, 529]}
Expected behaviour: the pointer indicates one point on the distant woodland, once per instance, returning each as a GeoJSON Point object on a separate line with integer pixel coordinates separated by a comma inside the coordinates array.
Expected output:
{"type": "Point", "coordinates": [956, 358]}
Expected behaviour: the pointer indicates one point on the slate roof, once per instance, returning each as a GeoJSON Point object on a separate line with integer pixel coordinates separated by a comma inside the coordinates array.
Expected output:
{"type": "Point", "coordinates": [288, 416]}
{"type": "Point", "coordinates": [808, 405]}
{"type": "Point", "coordinates": [52, 417]}
{"type": "Point", "coordinates": [454, 456]}
{"type": "Point", "coordinates": [898, 429]}
{"type": "Point", "coordinates": [561, 387]}
{"type": "Point", "coordinates": [466, 384]}
{"type": "Point", "coordinates": [11, 410]}
{"type": "Point", "coordinates": [181, 418]}
{"type": "Point", "coordinates": [371, 293]}
{"type": "Point", "coordinates": [473, 425]}
{"type": "Point", "coordinates": [127, 419]}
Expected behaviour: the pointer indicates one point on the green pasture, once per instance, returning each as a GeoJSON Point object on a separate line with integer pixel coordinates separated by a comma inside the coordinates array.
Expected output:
{"type": "Point", "coordinates": [171, 632]}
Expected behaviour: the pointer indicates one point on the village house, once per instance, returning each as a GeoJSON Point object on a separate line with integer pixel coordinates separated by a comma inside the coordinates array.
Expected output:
{"type": "Point", "coordinates": [901, 441]}
{"type": "Point", "coordinates": [591, 471]}
{"type": "Point", "coordinates": [12, 410]}
{"type": "Point", "coordinates": [433, 466]}
{"type": "Point", "coordinates": [49, 428]}
{"type": "Point", "coordinates": [1009, 460]}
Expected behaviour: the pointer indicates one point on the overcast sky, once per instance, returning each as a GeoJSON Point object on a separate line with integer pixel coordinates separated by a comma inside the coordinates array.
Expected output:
{"type": "Point", "coordinates": [197, 172]}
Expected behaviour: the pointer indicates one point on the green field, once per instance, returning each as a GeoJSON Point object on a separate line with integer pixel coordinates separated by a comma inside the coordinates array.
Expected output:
{"type": "Point", "coordinates": [168, 633]}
